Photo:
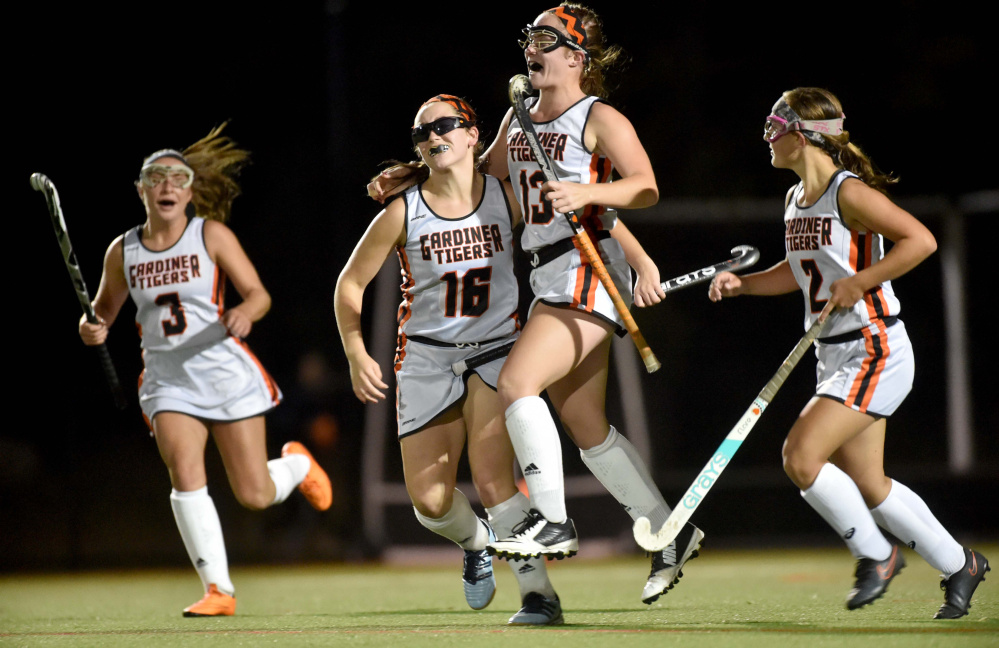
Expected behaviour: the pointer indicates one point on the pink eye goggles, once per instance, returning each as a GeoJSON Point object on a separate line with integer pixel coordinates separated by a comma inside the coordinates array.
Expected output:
{"type": "Point", "coordinates": [777, 127]}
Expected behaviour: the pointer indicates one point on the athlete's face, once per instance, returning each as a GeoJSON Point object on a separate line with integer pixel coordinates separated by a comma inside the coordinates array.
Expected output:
{"type": "Point", "coordinates": [440, 151]}
{"type": "Point", "coordinates": [546, 69]}
{"type": "Point", "coordinates": [165, 199]}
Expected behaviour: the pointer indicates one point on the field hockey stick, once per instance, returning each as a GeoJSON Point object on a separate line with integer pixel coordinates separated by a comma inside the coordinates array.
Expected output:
{"type": "Point", "coordinates": [745, 256]}
{"type": "Point", "coordinates": [41, 183]}
{"type": "Point", "coordinates": [519, 88]}
{"type": "Point", "coordinates": [480, 359]}
{"type": "Point", "coordinates": [658, 541]}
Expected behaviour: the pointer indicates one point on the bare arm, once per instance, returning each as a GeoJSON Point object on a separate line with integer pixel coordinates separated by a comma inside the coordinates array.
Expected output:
{"type": "Point", "coordinates": [648, 290]}
{"type": "Point", "coordinates": [495, 156]}
{"type": "Point", "coordinates": [609, 133]}
{"type": "Point", "coordinates": [776, 280]}
{"type": "Point", "coordinates": [864, 208]}
{"type": "Point", "coordinates": [226, 251]}
{"type": "Point", "coordinates": [385, 232]}
{"type": "Point", "coordinates": [111, 295]}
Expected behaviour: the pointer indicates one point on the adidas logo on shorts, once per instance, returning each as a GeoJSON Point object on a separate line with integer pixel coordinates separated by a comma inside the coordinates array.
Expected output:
{"type": "Point", "coordinates": [532, 470]}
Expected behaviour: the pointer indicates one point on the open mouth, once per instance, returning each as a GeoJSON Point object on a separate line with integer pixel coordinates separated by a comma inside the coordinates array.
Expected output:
{"type": "Point", "coordinates": [534, 66]}
{"type": "Point", "coordinates": [437, 150]}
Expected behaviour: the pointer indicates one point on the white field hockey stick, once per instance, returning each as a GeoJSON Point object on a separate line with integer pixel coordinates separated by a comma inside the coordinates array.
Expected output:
{"type": "Point", "coordinates": [745, 256]}
{"type": "Point", "coordinates": [658, 541]}
{"type": "Point", "coordinates": [519, 88]}
{"type": "Point", "coordinates": [480, 359]}
{"type": "Point", "coordinates": [41, 183]}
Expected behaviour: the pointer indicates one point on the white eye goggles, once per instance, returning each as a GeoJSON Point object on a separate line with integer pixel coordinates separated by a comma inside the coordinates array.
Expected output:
{"type": "Point", "coordinates": [777, 127]}
{"type": "Point", "coordinates": [153, 174]}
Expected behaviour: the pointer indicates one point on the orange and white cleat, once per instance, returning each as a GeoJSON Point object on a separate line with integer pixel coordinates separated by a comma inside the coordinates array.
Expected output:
{"type": "Point", "coordinates": [215, 603]}
{"type": "Point", "coordinates": [316, 486]}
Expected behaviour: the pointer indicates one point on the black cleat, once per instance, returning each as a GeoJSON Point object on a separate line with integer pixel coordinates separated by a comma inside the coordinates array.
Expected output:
{"type": "Point", "coordinates": [666, 564]}
{"type": "Point", "coordinates": [536, 536]}
{"type": "Point", "coordinates": [959, 588]}
{"type": "Point", "coordinates": [873, 577]}
{"type": "Point", "coordinates": [538, 610]}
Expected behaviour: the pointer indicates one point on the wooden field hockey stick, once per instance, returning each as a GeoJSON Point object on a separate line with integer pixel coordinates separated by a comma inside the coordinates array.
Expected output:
{"type": "Point", "coordinates": [744, 257]}
{"type": "Point", "coordinates": [658, 541]}
{"type": "Point", "coordinates": [520, 87]}
{"type": "Point", "coordinates": [41, 183]}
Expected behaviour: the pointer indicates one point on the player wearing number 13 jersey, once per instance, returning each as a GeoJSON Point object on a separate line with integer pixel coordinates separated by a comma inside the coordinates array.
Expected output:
{"type": "Point", "coordinates": [192, 363]}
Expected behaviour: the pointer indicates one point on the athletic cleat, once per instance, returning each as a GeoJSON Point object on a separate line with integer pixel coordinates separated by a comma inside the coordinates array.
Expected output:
{"type": "Point", "coordinates": [873, 577]}
{"type": "Point", "coordinates": [667, 564]}
{"type": "Point", "coordinates": [536, 536]}
{"type": "Point", "coordinates": [215, 603]}
{"type": "Point", "coordinates": [477, 577]}
{"type": "Point", "coordinates": [959, 588]}
{"type": "Point", "coordinates": [538, 610]}
{"type": "Point", "coordinates": [316, 486]}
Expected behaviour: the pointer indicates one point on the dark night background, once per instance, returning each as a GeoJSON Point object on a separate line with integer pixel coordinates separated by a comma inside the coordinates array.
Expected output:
{"type": "Point", "coordinates": [324, 92]}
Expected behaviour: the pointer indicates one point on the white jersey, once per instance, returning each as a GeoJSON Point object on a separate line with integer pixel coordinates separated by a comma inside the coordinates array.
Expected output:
{"type": "Point", "coordinates": [821, 249]}
{"type": "Point", "coordinates": [192, 364]}
{"type": "Point", "coordinates": [458, 282]}
{"type": "Point", "coordinates": [178, 292]}
{"type": "Point", "coordinates": [562, 139]}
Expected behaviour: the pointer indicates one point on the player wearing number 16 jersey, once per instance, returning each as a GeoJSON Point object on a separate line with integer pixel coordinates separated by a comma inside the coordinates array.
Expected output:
{"type": "Point", "coordinates": [200, 378]}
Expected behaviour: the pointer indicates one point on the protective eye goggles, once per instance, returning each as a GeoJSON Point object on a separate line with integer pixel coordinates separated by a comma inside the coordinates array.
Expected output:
{"type": "Point", "coordinates": [777, 127]}
{"type": "Point", "coordinates": [440, 126]}
{"type": "Point", "coordinates": [547, 39]}
{"type": "Point", "coordinates": [180, 177]}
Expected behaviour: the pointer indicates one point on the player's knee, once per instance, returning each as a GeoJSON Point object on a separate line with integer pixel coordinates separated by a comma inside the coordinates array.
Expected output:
{"type": "Point", "coordinates": [433, 503]}
{"type": "Point", "coordinates": [800, 468]}
{"type": "Point", "coordinates": [254, 499]}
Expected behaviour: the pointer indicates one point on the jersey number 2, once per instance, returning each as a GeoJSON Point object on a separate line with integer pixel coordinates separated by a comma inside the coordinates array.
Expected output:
{"type": "Point", "coordinates": [811, 268]}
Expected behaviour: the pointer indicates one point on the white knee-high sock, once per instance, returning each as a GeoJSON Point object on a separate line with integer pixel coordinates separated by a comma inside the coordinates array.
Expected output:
{"type": "Point", "coordinates": [906, 515]}
{"type": "Point", "coordinates": [460, 524]}
{"type": "Point", "coordinates": [837, 499]}
{"type": "Point", "coordinates": [201, 532]}
{"type": "Point", "coordinates": [619, 467]}
{"type": "Point", "coordinates": [287, 473]}
{"type": "Point", "coordinates": [539, 452]}
{"type": "Point", "coordinates": [532, 574]}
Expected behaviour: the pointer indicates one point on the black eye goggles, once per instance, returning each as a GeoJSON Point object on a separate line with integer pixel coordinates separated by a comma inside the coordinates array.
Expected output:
{"type": "Point", "coordinates": [440, 126]}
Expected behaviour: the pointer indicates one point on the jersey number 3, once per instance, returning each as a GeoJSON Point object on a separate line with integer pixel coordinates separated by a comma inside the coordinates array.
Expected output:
{"type": "Point", "coordinates": [177, 323]}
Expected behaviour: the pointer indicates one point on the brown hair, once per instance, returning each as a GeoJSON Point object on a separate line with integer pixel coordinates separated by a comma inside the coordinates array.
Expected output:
{"type": "Point", "coordinates": [818, 103]}
{"type": "Point", "coordinates": [601, 56]}
{"type": "Point", "coordinates": [419, 172]}
{"type": "Point", "coordinates": [217, 162]}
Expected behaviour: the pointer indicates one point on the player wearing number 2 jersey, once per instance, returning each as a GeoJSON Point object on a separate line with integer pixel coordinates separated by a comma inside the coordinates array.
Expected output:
{"type": "Point", "coordinates": [835, 221]}
{"type": "Point", "coordinates": [199, 376]}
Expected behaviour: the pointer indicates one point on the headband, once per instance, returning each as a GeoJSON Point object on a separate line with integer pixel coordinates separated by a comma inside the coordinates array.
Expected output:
{"type": "Point", "coordinates": [572, 20]}
{"type": "Point", "coordinates": [464, 110]}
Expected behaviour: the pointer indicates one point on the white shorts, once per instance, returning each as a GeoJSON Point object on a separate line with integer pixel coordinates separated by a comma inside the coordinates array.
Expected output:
{"type": "Point", "coordinates": [569, 282]}
{"type": "Point", "coordinates": [426, 386]}
{"type": "Point", "coordinates": [220, 382]}
{"type": "Point", "coordinates": [872, 374]}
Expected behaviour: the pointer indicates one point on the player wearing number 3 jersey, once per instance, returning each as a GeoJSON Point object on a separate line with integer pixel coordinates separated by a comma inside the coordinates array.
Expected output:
{"type": "Point", "coordinates": [199, 376]}
{"type": "Point", "coordinates": [192, 364]}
